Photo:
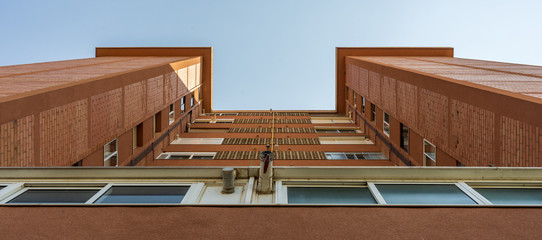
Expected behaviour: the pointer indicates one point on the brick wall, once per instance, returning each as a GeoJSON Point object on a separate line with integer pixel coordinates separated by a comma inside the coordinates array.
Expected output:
{"type": "Point", "coordinates": [16, 146]}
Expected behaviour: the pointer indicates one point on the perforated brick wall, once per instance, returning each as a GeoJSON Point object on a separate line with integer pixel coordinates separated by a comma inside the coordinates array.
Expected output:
{"type": "Point", "coordinates": [519, 144]}
{"type": "Point", "coordinates": [374, 87]}
{"type": "Point", "coordinates": [389, 94]}
{"type": "Point", "coordinates": [64, 134]}
{"type": "Point", "coordinates": [191, 77]}
{"type": "Point", "coordinates": [472, 134]}
{"type": "Point", "coordinates": [16, 146]}
{"type": "Point", "coordinates": [155, 94]}
{"type": "Point", "coordinates": [170, 87]}
{"type": "Point", "coordinates": [407, 104]}
{"type": "Point", "coordinates": [182, 87]}
{"type": "Point", "coordinates": [433, 117]}
{"type": "Point", "coordinates": [363, 81]}
{"type": "Point", "coordinates": [198, 74]}
{"type": "Point", "coordinates": [106, 120]}
{"type": "Point", "coordinates": [134, 103]}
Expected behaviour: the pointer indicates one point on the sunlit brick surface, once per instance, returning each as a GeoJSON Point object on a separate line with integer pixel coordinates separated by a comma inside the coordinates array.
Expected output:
{"type": "Point", "coordinates": [182, 87]}
{"type": "Point", "coordinates": [388, 94]}
{"type": "Point", "coordinates": [433, 117]}
{"type": "Point", "coordinates": [155, 94]}
{"type": "Point", "coordinates": [106, 120]}
{"type": "Point", "coordinates": [374, 87]}
{"type": "Point", "coordinates": [520, 144]}
{"type": "Point", "coordinates": [407, 104]}
{"type": "Point", "coordinates": [170, 90]}
{"type": "Point", "coordinates": [134, 103]}
{"type": "Point", "coordinates": [64, 134]}
{"type": "Point", "coordinates": [16, 146]}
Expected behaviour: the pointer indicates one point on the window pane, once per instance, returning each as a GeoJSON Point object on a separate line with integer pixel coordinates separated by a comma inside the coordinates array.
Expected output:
{"type": "Point", "coordinates": [336, 156]}
{"type": "Point", "coordinates": [179, 157]}
{"type": "Point", "coordinates": [144, 194]}
{"type": "Point", "coordinates": [55, 196]}
{"type": "Point", "coordinates": [525, 196]}
{"type": "Point", "coordinates": [374, 155]}
{"type": "Point", "coordinates": [345, 195]}
{"type": "Point", "coordinates": [202, 157]}
{"type": "Point", "coordinates": [423, 194]}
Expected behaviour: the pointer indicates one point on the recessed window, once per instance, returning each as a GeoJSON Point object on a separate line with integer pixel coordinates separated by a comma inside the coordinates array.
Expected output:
{"type": "Point", "coordinates": [362, 104]}
{"type": "Point", "coordinates": [171, 113]}
{"type": "Point", "coordinates": [373, 113]}
{"type": "Point", "coordinates": [192, 101]}
{"type": "Point", "coordinates": [157, 122]}
{"type": "Point", "coordinates": [423, 194]}
{"type": "Point", "coordinates": [429, 154]}
{"type": "Point", "coordinates": [336, 131]}
{"type": "Point", "coordinates": [222, 130]}
{"type": "Point", "coordinates": [330, 195]}
{"type": "Point", "coordinates": [198, 141]}
{"type": "Point", "coordinates": [347, 93]}
{"type": "Point", "coordinates": [512, 196]}
{"type": "Point", "coordinates": [355, 101]}
{"type": "Point", "coordinates": [144, 194]}
{"type": "Point", "coordinates": [326, 120]}
{"type": "Point", "coordinates": [386, 124]}
{"type": "Point", "coordinates": [183, 100]}
{"type": "Point", "coordinates": [53, 196]}
{"type": "Point", "coordinates": [187, 155]}
{"type": "Point", "coordinates": [110, 153]}
{"type": "Point", "coordinates": [355, 156]}
{"type": "Point", "coordinates": [405, 137]}
{"type": "Point", "coordinates": [216, 120]}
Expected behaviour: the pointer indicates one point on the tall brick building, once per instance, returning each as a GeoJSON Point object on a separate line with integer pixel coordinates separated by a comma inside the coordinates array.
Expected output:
{"type": "Point", "coordinates": [138, 126]}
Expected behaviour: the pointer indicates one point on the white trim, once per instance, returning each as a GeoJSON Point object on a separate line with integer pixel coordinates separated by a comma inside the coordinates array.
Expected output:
{"type": "Point", "coordinates": [249, 191]}
{"type": "Point", "coordinates": [281, 193]}
{"type": "Point", "coordinates": [376, 194]}
{"type": "Point", "coordinates": [194, 193]}
{"type": "Point", "coordinates": [98, 194]}
{"type": "Point", "coordinates": [472, 193]}
{"type": "Point", "coordinates": [9, 190]}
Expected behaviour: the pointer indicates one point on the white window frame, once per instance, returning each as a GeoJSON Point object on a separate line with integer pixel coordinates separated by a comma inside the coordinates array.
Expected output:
{"type": "Point", "coordinates": [356, 140]}
{"type": "Point", "coordinates": [193, 189]}
{"type": "Point", "coordinates": [197, 141]}
{"type": "Point", "coordinates": [354, 153]}
{"type": "Point", "coordinates": [386, 125]}
{"type": "Point", "coordinates": [216, 120]}
{"type": "Point", "coordinates": [113, 154]}
{"type": "Point", "coordinates": [427, 156]}
{"type": "Point", "coordinates": [9, 189]}
{"type": "Point", "coordinates": [167, 155]}
{"type": "Point", "coordinates": [335, 129]}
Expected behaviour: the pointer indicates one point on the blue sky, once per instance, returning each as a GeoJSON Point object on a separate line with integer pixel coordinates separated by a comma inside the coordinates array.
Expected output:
{"type": "Point", "coordinates": [270, 54]}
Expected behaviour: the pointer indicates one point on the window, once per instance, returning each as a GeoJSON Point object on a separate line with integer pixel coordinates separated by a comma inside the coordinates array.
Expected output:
{"type": "Point", "coordinates": [216, 120]}
{"type": "Point", "coordinates": [405, 137]}
{"type": "Point", "coordinates": [345, 140]}
{"type": "Point", "coordinates": [143, 194]}
{"type": "Point", "coordinates": [157, 122]}
{"type": "Point", "coordinates": [326, 120]}
{"type": "Point", "coordinates": [362, 104]}
{"type": "Point", "coordinates": [423, 194]}
{"type": "Point", "coordinates": [386, 124]}
{"type": "Point", "coordinates": [355, 101]}
{"type": "Point", "coordinates": [192, 101]}
{"type": "Point", "coordinates": [373, 113]}
{"type": "Point", "coordinates": [187, 155]}
{"type": "Point", "coordinates": [198, 141]}
{"type": "Point", "coordinates": [183, 100]}
{"type": "Point", "coordinates": [36, 195]}
{"type": "Point", "coordinates": [504, 195]}
{"type": "Point", "coordinates": [330, 195]}
{"type": "Point", "coordinates": [171, 113]}
{"type": "Point", "coordinates": [347, 93]}
{"type": "Point", "coordinates": [223, 130]}
{"type": "Point", "coordinates": [134, 137]}
{"type": "Point", "coordinates": [110, 153]}
{"type": "Point", "coordinates": [336, 131]}
{"type": "Point", "coordinates": [429, 154]}
{"type": "Point", "coordinates": [354, 155]}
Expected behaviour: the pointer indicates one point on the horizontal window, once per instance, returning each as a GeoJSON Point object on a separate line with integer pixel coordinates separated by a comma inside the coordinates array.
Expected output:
{"type": "Point", "coordinates": [198, 141]}
{"type": "Point", "coordinates": [222, 130]}
{"type": "Point", "coordinates": [330, 195]}
{"type": "Point", "coordinates": [143, 194]}
{"type": "Point", "coordinates": [423, 194]}
{"type": "Point", "coordinates": [353, 155]}
{"type": "Point", "coordinates": [216, 120]}
{"type": "Point", "coordinates": [344, 140]}
{"type": "Point", "coordinates": [187, 155]}
{"type": "Point", "coordinates": [53, 196]}
{"type": "Point", "coordinates": [511, 195]}
{"type": "Point", "coordinates": [328, 121]}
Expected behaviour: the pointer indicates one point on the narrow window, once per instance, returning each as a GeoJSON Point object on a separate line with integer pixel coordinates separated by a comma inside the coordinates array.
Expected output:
{"type": "Point", "coordinates": [355, 101]}
{"type": "Point", "coordinates": [346, 93]}
{"type": "Point", "coordinates": [429, 154]}
{"type": "Point", "coordinates": [110, 153]}
{"type": "Point", "coordinates": [139, 135]}
{"type": "Point", "coordinates": [54, 196]}
{"type": "Point", "coordinates": [386, 124]}
{"type": "Point", "coordinates": [373, 113]}
{"type": "Point", "coordinates": [134, 137]}
{"type": "Point", "coordinates": [171, 113]}
{"type": "Point", "coordinates": [192, 101]}
{"type": "Point", "coordinates": [144, 194]}
{"type": "Point", "coordinates": [183, 100]}
{"type": "Point", "coordinates": [157, 122]}
{"type": "Point", "coordinates": [405, 137]}
{"type": "Point", "coordinates": [362, 104]}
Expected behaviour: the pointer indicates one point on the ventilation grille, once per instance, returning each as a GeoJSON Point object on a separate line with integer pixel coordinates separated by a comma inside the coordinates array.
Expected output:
{"type": "Point", "coordinates": [300, 155]}
{"type": "Point", "coordinates": [264, 141]}
{"type": "Point", "coordinates": [238, 155]}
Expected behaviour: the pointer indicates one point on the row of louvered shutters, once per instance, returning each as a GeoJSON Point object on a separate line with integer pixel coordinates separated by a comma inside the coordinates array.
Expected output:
{"type": "Point", "coordinates": [297, 114]}
{"type": "Point", "coordinates": [264, 121]}
{"type": "Point", "coordinates": [264, 141]}
{"type": "Point", "coordinates": [268, 130]}
{"type": "Point", "coordinates": [278, 155]}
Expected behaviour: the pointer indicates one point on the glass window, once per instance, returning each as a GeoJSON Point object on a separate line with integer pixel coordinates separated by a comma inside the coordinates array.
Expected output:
{"type": "Point", "coordinates": [405, 137]}
{"type": "Point", "coordinates": [157, 124]}
{"type": "Point", "coordinates": [331, 195]}
{"type": "Point", "coordinates": [203, 156]}
{"type": "Point", "coordinates": [362, 104]}
{"type": "Point", "coordinates": [387, 124]}
{"type": "Point", "coordinates": [110, 153]}
{"type": "Point", "coordinates": [335, 131]}
{"type": "Point", "coordinates": [192, 101]}
{"type": "Point", "coordinates": [183, 100]}
{"type": "Point", "coordinates": [355, 155]}
{"type": "Point", "coordinates": [171, 113]}
{"type": "Point", "coordinates": [144, 194]}
{"type": "Point", "coordinates": [344, 140]}
{"type": "Point", "coordinates": [512, 196]}
{"type": "Point", "coordinates": [198, 141]}
{"type": "Point", "coordinates": [336, 156]}
{"type": "Point", "coordinates": [373, 113]}
{"type": "Point", "coordinates": [429, 154]}
{"type": "Point", "coordinates": [54, 196]}
{"type": "Point", "coordinates": [423, 194]}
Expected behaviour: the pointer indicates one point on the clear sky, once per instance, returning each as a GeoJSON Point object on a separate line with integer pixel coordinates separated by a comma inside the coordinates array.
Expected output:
{"type": "Point", "coordinates": [270, 54]}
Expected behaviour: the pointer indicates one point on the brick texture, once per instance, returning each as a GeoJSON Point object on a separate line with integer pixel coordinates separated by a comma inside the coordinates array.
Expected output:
{"type": "Point", "coordinates": [191, 77]}
{"type": "Point", "coordinates": [155, 94]}
{"type": "Point", "coordinates": [64, 134]}
{"type": "Point", "coordinates": [134, 103]}
{"type": "Point", "coordinates": [170, 87]}
{"type": "Point", "coordinates": [106, 120]}
{"type": "Point", "coordinates": [519, 144]}
{"type": "Point", "coordinates": [16, 146]}
{"type": "Point", "coordinates": [472, 134]}
{"type": "Point", "coordinates": [182, 87]}
{"type": "Point", "coordinates": [374, 87]}
{"type": "Point", "coordinates": [363, 82]}
{"type": "Point", "coordinates": [407, 104]}
{"type": "Point", "coordinates": [433, 117]}
{"type": "Point", "coordinates": [389, 94]}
